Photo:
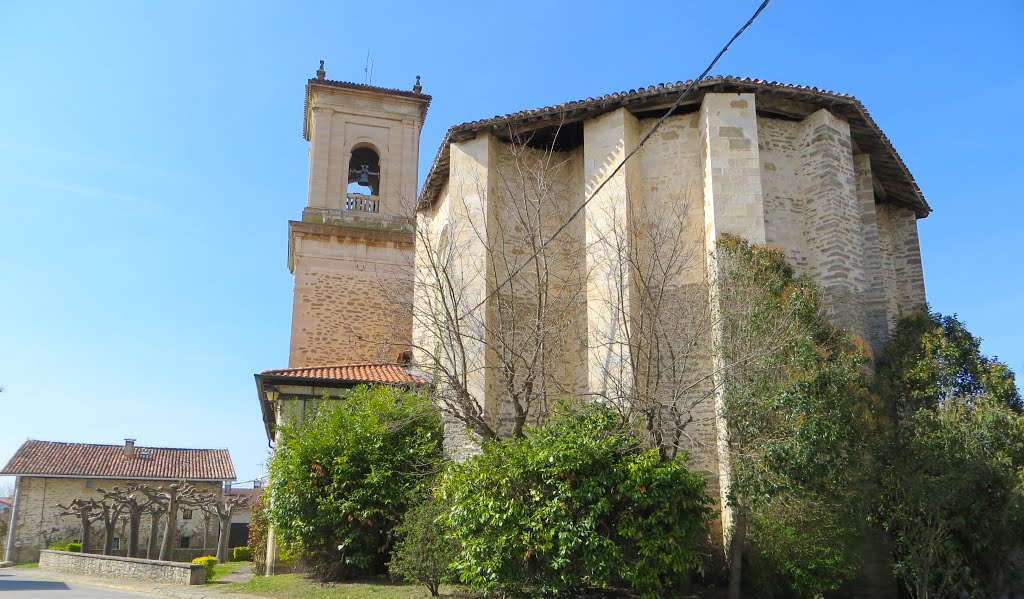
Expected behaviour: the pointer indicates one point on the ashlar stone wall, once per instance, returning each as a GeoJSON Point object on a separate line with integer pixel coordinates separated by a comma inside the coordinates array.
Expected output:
{"type": "Point", "coordinates": [353, 261]}
{"type": "Point", "coordinates": [797, 184]}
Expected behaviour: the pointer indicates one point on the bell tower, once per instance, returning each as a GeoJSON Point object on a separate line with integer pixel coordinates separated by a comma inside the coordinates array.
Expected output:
{"type": "Point", "coordinates": [351, 253]}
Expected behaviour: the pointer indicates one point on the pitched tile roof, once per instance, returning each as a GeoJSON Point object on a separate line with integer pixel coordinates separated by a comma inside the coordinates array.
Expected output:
{"type": "Point", "coordinates": [49, 458]}
{"type": "Point", "coordinates": [340, 376]}
{"type": "Point", "coordinates": [386, 373]}
{"type": "Point", "coordinates": [8, 501]}
{"type": "Point", "coordinates": [884, 160]}
{"type": "Point", "coordinates": [251, 494]}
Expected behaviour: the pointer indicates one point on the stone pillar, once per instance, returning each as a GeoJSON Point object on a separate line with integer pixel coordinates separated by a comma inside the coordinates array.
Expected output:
{"type": "Point", "coordinates": [12, 531]}
{"type": "Point", "coordinates": [607, 139]}
{"type": "Point", "coordinates": [734, 204]}
{"type": "Point", "coordinates": [319, 153]}
{"type": "Point", "coordinates": [471, 185]}
{"type": "Point", "coordinates": [901, 260]}
{"type": "Point", "coordinates": [876, 319]}
{"type": "Point", "coordinates": [731, 166]}
{"type": "Point", "coordinates": [271, 565]}
{"type": "Point", "coordinates": [833, 219]}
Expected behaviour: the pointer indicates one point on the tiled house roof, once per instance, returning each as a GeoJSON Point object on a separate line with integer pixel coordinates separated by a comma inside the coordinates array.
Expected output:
{"type": "Point", "coordinates": [48, 458]}
{"type": "Point", "coordinates": [794, 102]}
{"type": "Point", "coordinates": [251, 494]}
{"type": "Point", "coordinates": [357, 373]}
{"type": "Point", "coordinates": [341, 376]}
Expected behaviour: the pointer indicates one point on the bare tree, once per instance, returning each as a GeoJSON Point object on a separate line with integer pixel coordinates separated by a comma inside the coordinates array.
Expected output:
{"type": "Point", "coordinates": [223, 509]}
{"type": "Point", "coordinates": [482, 342]}
{"type": "Point", "coordinates": [131, 503]}
{"type": "Point", "coordinates": [109, 514]}
{"type": "Point", "coordinates": [527, 291]}
{"type": "Point", "coordinates": [156, 511]}
{"type": "Point", "coordinates": [504, 291]}
{"type": "Point", "coordinates": [171, 500]}
{"type": "Point", "coordinates": [84, 510]}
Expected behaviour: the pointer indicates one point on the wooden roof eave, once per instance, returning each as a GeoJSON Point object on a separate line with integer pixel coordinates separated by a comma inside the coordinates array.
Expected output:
{"type": "Point", "coordinates": [786, 101]}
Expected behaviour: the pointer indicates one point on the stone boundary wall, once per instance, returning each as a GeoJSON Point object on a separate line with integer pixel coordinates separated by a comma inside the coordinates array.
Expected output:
{"type": "Point", "coordinates": [108, 566]}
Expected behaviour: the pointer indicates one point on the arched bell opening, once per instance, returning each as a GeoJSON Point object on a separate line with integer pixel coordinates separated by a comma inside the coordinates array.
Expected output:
{"type": "Point", "coordinates": [363, 191]}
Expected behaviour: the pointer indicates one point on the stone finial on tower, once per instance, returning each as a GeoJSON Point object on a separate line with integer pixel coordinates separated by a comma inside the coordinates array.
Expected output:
{"type": "Point", "coordinates": [417, 88]}
{"type": "Point", "coordinates": [321, 74]}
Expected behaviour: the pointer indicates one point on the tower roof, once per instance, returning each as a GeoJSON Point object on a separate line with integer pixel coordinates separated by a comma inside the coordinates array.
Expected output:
{"type": "Point", "coordinates": [782, 100]}
{"type": "Point", "coordinates": [327, 84]}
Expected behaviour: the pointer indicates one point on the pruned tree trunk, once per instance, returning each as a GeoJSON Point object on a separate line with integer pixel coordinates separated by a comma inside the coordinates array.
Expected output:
{"type": "Point", "coordinates": [154, 533]}
{"type": "Point", "coordinates": [86, 531]}
{"type": "Point", "coordinates": [206, 529]}
{"type": "Point", "coordinates": [223, 510]}
{"type": "Point", "coordinates": [134, 519]}
{"type": "Point", "coordinates": [170, 528]}
{"type": "Point", "coordinates": [222, 540]}
{"type": "Point", "coordinates": [109, 518]}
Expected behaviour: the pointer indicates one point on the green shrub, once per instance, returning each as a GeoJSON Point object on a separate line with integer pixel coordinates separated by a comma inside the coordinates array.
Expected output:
{"type": "Point", "coordinates": [65, 546]}
{"type": "Point", "coordinates": [242, 554]}
{"type": "Point", "coordinates": [258, 530]}
{"type": "Point", "coordinates": [578, 503]}
{"type": "Point", "coordinates": [340, 482]}
{"type": "Point", "coordinates": [425, 549]}
{"type": "Point", "coordinates": [209, 561]}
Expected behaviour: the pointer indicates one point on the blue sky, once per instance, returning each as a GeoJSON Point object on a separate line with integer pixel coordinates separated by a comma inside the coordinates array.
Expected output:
{"type": "Point", "coordinates": [151, 155]}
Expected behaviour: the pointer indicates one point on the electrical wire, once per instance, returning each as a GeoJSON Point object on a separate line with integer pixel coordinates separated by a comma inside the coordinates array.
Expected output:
{"type": "Point", "coordinates": [664, 117]}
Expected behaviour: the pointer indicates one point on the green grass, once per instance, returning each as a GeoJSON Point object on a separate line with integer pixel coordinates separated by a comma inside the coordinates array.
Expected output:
{"type": "Point", "coordinates": [28, 565]}
{"type": "Point", "coordinates": [296, 586]}
{"type": "Point", "coordinates": [222, 570]}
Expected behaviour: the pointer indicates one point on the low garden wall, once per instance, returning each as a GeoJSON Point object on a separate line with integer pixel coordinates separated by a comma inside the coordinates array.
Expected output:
{"type": "Point", "coordinates": [109, 566]}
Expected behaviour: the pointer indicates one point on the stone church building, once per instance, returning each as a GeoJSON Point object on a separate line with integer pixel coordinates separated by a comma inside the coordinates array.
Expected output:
{"type": "Point", "coordinates": [432, 282]}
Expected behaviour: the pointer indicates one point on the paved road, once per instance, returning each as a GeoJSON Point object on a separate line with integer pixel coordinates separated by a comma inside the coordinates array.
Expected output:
{"type": "Point", "coordinates": [19, 586]}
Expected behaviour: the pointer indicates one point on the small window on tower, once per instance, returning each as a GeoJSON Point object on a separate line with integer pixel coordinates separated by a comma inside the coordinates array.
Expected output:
{"type": "Point", "coordinates": [186, 514]}
{"type": "Point", "coordinates": [364, 172]}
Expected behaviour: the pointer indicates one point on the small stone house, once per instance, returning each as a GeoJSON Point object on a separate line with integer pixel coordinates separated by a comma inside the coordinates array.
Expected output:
{"type": "Point", "coordinates": [50, 473]}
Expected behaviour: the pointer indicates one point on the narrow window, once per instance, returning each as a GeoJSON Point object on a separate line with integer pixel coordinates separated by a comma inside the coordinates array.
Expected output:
{"type": "Point", "coordinates": [186, 514]}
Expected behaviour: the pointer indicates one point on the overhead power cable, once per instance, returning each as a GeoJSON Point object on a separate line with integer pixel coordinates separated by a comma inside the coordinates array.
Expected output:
{"type": "Point", "coordinates": [664, 117]}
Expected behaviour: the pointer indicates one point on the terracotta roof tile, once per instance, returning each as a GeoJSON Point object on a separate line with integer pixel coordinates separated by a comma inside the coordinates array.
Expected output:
{"type": "Point", "coordinates": [251, 494]}
{"type": "Point", "coordinates": [48, 458]}
{"type": "Point", "coordinates": [388, 373]}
